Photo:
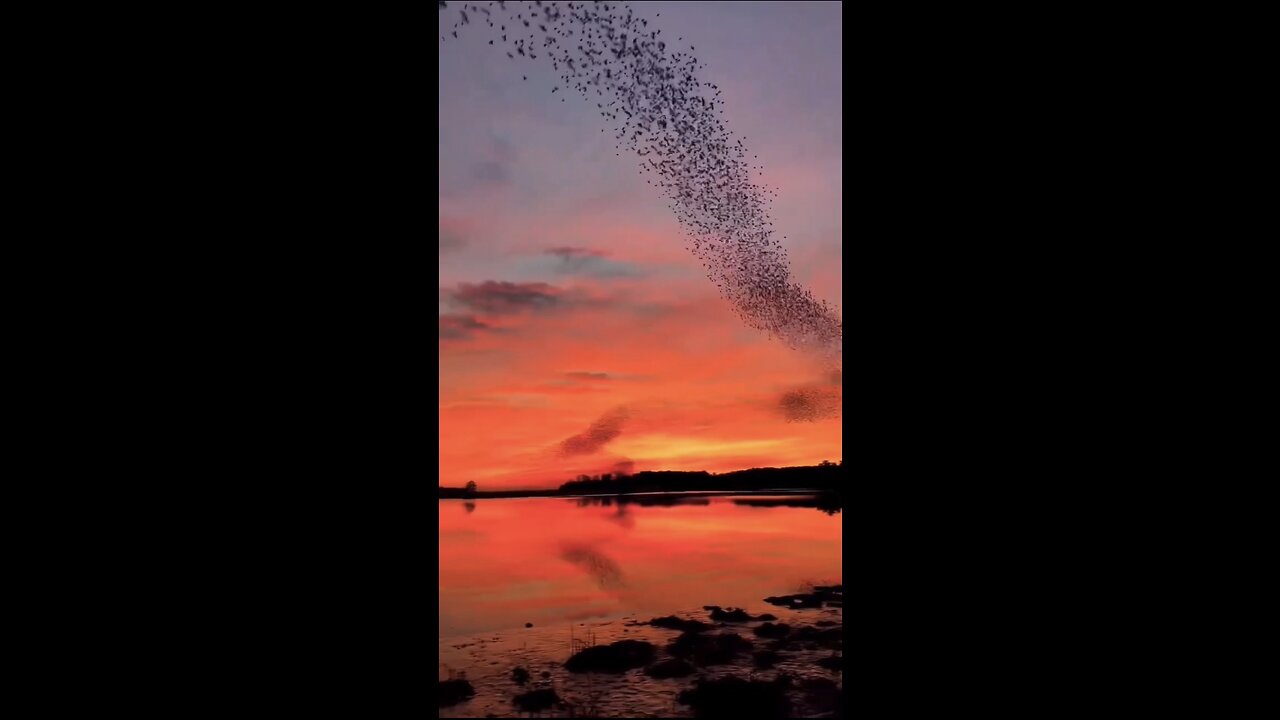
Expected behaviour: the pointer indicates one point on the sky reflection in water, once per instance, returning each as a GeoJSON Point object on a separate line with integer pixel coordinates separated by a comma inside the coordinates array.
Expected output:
{"type": "Point", "coordinates": [555, 560]}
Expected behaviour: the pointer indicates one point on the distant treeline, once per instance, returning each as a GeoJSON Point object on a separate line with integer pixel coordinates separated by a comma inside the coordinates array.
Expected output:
{"type": "Point", "coordinates": [828, 476]}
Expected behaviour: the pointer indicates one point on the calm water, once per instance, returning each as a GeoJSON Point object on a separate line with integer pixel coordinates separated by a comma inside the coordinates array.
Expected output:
{"type": "Point", "coordinates": [555, 562]}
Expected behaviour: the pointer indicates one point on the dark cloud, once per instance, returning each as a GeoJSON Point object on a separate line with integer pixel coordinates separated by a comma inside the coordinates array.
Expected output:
{"type": "Point", "coordinates": [501, 298]}
{"type": "Point", "coordinates": [575, 253]}
{"type": "Point", "coordinates": [585, 261]}
{"type": "Point", "coordinates": [593, 376]}
{"type": "Point", "coordinates": [495, 169]}
{"type": "Point", "coordinates": [460, 327]}
{"type": "Point", "coordinates": [491, 172]}
{"type": "Point", "coordinates": [593, 439]}
{"type": "Point", "coordinates": [451, 242]}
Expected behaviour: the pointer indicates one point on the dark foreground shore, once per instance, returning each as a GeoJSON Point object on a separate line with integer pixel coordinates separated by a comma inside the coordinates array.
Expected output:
{"type": "Point", "coordinates": [715, 662]}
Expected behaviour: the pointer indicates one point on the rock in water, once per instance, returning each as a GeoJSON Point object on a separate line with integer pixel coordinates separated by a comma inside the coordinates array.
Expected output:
{"type": "Point", "coordinates": [737, 698]}
{"type": "Point", "coordinates": [452, 692]}
{"type": "Point", "coordinates": [766, 659]}
{"type": "Point", "coordinates": [704, 650]}
{"type": "Point", "coordinates": [617, 657]}
{"type": "Point", "coordinates": [672, 622]}
{"type": "Point", "coordinates": [537, 701]}
{"type": "Point", "coordinates": [769, 630]}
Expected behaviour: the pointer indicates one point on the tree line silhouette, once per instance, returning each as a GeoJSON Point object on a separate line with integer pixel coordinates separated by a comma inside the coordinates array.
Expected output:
{"type": "Point", "coordinates": [825, 477]}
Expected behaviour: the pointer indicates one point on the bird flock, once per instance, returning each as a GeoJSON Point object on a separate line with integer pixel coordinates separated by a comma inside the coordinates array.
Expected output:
{"type": "Point", "coordinates": [647, 86]}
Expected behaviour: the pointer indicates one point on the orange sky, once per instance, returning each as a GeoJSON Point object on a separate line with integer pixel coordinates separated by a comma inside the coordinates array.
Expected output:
{"type": "Point", "coordinates": [566, 291]}
{"type": "Point", "coordinates": [700, 390]}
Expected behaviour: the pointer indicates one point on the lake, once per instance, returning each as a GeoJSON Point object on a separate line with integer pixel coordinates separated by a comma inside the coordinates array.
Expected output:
{"type": "Point", "coordinates": [591, 572]}
{"type": "Point", "coordinates": [568, 561]}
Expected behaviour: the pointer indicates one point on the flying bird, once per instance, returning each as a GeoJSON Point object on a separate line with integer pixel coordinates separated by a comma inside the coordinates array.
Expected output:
{"type": "Point", "coordinates": [674, 123]}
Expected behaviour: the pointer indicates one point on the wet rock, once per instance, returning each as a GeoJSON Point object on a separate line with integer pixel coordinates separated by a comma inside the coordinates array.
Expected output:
{"type": "Point", "coordinates": [617, 657]}
{"type": "Point", "coordinates": [737, 698]}
{"type": "Point", "coordinates": [815, 599]}
{"type": "Point", "coordinates": [704, 649]}
{"type": "Point", "coordinates": [720, 614]}
{"type": "Point", "coordinates": [826, 623]}
{"type": "Point", "coordinates": [769, 630]}
{"type": "Point", "coordinates": [520, 676]}
{"type": "Point", "coordinates": [830, 638]}
{"type": "Point", "coordinates": [765, 659]}
{"type": "Point", "coordinates": [835, 662]}
{"type": "Point", "coordinates": [730, 615]}
{"type": "Point", "coordinates": [835, 603]}
{"type": "Point", "coordinates": [820, 695]}
{"type": "Point", "coordinates": [452, 692]}
{"type": "Point", "coordinates": [674, 623]}
{"type": "Point", "coordinates": [537, 700]}
{"type": "Point", "coordinates": [671, 668]}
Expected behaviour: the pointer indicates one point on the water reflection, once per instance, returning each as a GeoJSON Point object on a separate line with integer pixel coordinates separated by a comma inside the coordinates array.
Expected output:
{"type": "Point", "coordinates": [829, 503]}
{"type": "Point", "coordinates": [641, 500]}
{"type": "Point", "coordinates": [547, 560]}
{"type": "Point", "coordinates": [605, 572]}
{"type": "Point", "coordinates": [470, 507]}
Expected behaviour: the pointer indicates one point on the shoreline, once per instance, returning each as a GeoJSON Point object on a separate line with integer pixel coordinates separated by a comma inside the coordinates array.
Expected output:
{"type": "Point", "coordinates": [518, 494]}
{"type": "Point", "coordinates": [786, 661]}
{"type": "Point", "coordinates": [827, 477]}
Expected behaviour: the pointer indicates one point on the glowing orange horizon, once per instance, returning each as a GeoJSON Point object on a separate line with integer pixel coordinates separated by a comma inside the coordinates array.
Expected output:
{"type": "Point", "coordinates": [700, 391]}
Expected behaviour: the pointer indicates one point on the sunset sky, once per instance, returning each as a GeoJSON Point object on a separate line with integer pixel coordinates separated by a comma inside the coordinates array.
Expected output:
{"type": "Point", "coordinates": [567, 298]}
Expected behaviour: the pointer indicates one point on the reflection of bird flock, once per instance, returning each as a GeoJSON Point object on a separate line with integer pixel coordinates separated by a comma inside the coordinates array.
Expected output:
{"type": "Point", "coordinates": [672, 122]}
